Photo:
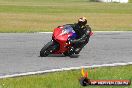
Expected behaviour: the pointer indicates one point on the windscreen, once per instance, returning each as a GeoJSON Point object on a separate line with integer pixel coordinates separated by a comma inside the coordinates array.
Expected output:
{"type": "Point", "coordinates": [67, 29]}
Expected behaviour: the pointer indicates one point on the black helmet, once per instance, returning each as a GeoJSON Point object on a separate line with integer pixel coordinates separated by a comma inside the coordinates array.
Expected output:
{"type": "Point", "coordinates": [82, 21]}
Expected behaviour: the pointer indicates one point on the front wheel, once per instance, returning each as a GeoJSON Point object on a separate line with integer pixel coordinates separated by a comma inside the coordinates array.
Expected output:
{"type": "Point", "coordinates": [47, 49]}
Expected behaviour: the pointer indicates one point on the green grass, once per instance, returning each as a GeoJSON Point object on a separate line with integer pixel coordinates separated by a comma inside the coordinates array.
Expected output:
{"type": "Point", "coordinates": [45, 15]}
{"type": "Point", "coordinates": [69, 79]}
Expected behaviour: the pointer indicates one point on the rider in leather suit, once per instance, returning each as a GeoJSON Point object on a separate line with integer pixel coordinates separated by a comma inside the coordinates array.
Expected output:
{"type": "Point", "coordinates": [83, 32]}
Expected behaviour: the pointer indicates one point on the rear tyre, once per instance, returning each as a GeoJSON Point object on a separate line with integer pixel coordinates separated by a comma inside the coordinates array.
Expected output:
{"type": "Point", "coordinates": [67, 53]}
{"type": "Point", "coordinates": [46, 50]}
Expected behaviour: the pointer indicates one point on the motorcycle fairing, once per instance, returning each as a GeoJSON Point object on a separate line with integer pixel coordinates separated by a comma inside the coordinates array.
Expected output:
{"type": "Point", "coordinates": [61, 36]}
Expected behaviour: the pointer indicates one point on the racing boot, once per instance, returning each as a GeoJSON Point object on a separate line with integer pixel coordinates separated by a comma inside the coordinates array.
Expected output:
{"type": "Point", "coordinates": [77, 50]}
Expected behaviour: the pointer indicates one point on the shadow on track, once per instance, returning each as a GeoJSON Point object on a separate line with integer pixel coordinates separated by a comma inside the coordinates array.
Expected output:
{"type": "Point", "coordinates": [61, 55]}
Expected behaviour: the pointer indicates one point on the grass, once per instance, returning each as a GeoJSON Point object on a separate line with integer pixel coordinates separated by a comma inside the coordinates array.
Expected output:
{"type": "Point", "coordinates": [69, 79]}
{"type": "Point", "coordinates": [45, 15]}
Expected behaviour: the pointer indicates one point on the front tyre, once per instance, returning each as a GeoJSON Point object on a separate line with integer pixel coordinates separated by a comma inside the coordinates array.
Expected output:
{"type": "Point", "coordinates": [44, 53]}
{"type": "Point", "coordinates": [47, 49]}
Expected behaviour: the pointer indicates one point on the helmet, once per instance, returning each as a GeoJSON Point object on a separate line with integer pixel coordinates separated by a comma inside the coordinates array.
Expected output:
{"type": "Point", "coordinates": [82, 21]}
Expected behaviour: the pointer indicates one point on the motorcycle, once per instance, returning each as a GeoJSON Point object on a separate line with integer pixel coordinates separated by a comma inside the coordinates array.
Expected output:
{"type": "Point", "coordinates": [59, 43]}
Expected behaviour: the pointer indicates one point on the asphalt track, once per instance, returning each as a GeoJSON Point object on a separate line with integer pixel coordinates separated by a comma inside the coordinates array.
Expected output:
{"type": "Point", "coordinates": [19, 52]}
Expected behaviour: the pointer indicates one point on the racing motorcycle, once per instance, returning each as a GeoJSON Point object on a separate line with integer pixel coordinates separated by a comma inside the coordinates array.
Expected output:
{"type": "Point", "coordinates": [59, 43]}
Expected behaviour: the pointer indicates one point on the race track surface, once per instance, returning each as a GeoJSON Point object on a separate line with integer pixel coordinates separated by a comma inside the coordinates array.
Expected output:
{"type": "Point", "coordinates": [19, 52]}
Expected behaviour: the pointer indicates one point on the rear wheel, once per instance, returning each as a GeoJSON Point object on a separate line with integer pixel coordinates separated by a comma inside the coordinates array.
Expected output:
{"type": "Point", "coordinates": [67, 53]}
{"type": "Point", "coordinates": [47, 49]}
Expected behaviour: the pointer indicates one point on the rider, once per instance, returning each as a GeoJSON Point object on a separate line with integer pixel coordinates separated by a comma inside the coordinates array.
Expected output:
{"type": "Point", "coordinates": [83, 32]}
